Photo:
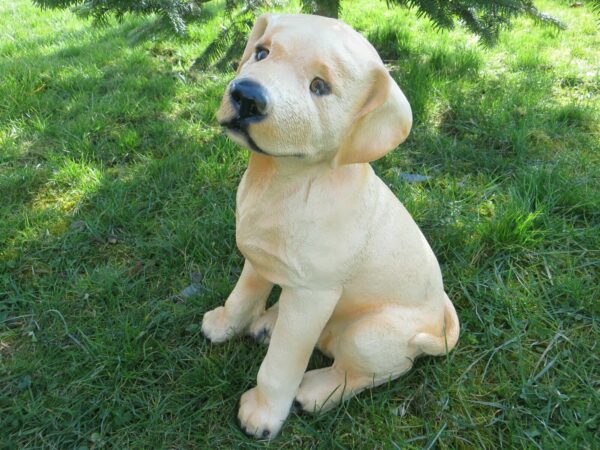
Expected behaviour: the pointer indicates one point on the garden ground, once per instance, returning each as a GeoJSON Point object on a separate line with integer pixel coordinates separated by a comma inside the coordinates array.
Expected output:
{"type": "Point", "coordinates": [116, 184]}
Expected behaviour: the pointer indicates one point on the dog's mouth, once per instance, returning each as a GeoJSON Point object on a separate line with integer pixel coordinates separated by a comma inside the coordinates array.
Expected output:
{"type": "Point", "coordinates": [239, 128]}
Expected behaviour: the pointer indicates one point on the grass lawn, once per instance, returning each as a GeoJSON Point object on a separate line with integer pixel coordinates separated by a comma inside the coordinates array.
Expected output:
{"type": "Point", "coordinates": [116, 184]}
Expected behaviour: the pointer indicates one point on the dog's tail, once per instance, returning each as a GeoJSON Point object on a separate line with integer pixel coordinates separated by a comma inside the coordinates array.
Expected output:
{"type": "Point", "coordinates": [440, 345]}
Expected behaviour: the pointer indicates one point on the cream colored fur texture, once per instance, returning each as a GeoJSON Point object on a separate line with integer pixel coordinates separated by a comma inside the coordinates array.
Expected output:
{"type": "Point", "coordinates": [315, 104]}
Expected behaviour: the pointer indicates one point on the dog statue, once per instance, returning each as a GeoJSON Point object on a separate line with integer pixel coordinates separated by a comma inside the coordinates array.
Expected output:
{"type": "Point", "coordinates": [315, 104]}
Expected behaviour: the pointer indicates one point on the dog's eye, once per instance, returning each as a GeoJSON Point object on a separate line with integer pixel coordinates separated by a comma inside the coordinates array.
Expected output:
{"type": "Point", "coordinates": [261, 53]}
{"type": "Point", "coordinates": [320, 87]}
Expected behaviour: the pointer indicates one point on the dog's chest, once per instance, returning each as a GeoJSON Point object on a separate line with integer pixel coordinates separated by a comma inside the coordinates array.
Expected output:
{"type": "Point", "coordinates": [298, 233]}
{"type": "Point", "coordinates": [269, 232]}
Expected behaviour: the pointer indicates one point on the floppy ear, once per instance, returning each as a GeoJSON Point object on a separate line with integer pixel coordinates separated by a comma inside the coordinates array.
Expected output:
{"type": "Point", "coordinates": [257, 31]}
{"type": "Point", "coordinates": [382, 123]}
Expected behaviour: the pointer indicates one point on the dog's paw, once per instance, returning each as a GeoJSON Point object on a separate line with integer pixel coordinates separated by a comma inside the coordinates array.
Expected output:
{"type": "Point", "coordinates": [215, 326]}
{"type": "Point", "coordinates": [262, 327]}
{"type": "Point", "coordinates": [321, 390]}
{"type": "Point", "coordinates": [258, 418]}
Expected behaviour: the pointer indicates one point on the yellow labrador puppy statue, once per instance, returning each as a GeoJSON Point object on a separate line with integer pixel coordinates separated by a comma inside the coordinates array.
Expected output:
{"type": "Point", "coordinates": [314, 102]}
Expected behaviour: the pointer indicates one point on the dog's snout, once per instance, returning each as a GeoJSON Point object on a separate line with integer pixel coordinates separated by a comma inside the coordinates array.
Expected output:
{"type": "Point", "coordinates": [250, 98]}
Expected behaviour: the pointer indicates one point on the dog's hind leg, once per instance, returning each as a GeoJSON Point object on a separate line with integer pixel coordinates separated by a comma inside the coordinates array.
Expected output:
{"type": "Point", "coordinates": [368, 351]}
{"type": "Point", "coordinates": [322, 389]}
{"type": "Point", "coordinates": [373, 350]}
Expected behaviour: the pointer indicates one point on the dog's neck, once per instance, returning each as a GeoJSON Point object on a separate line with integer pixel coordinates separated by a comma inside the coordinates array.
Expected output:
{"type": "Point", "coordinates": [263, 166]}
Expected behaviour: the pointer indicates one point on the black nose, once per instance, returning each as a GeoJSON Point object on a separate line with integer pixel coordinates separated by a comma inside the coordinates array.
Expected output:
{"type": "Point", "coordinates": [249, 98]}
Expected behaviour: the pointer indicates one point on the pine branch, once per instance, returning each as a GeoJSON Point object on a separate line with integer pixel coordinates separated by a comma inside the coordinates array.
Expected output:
{"type": "Point", "coordinates": [483, 17]}
{"type": "Point", "coordinates": [176, 12]}
{"type": "Point", "coordinates": [228, 46]}
{"type": "Point", "coordinates": [595, 5]}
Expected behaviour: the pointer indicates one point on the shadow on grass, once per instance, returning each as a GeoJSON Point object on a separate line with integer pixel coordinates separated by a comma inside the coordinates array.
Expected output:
{"type": "Point", "coordinates": [120, 193]}
{"type": "Point", "coordinates": [419, 68]}
{"type": "Point", "coordinates": [472, 120]}
{"type": "Point", "coordinates": [99, 105]}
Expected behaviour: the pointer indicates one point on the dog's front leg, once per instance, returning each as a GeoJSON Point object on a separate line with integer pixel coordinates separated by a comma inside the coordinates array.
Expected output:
{"type": "Point", "coordinates": [302, 316]}
{"type": "Point", "coordinates": [246, 302]}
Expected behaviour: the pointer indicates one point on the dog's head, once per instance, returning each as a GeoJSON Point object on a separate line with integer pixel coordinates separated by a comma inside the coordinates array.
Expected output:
{"type": "Point", "coordinates": [313, 88]}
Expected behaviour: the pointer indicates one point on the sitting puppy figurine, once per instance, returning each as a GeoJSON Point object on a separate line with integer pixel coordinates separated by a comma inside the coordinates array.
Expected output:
{"type": "Point", "coordinates": [314, 102]}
